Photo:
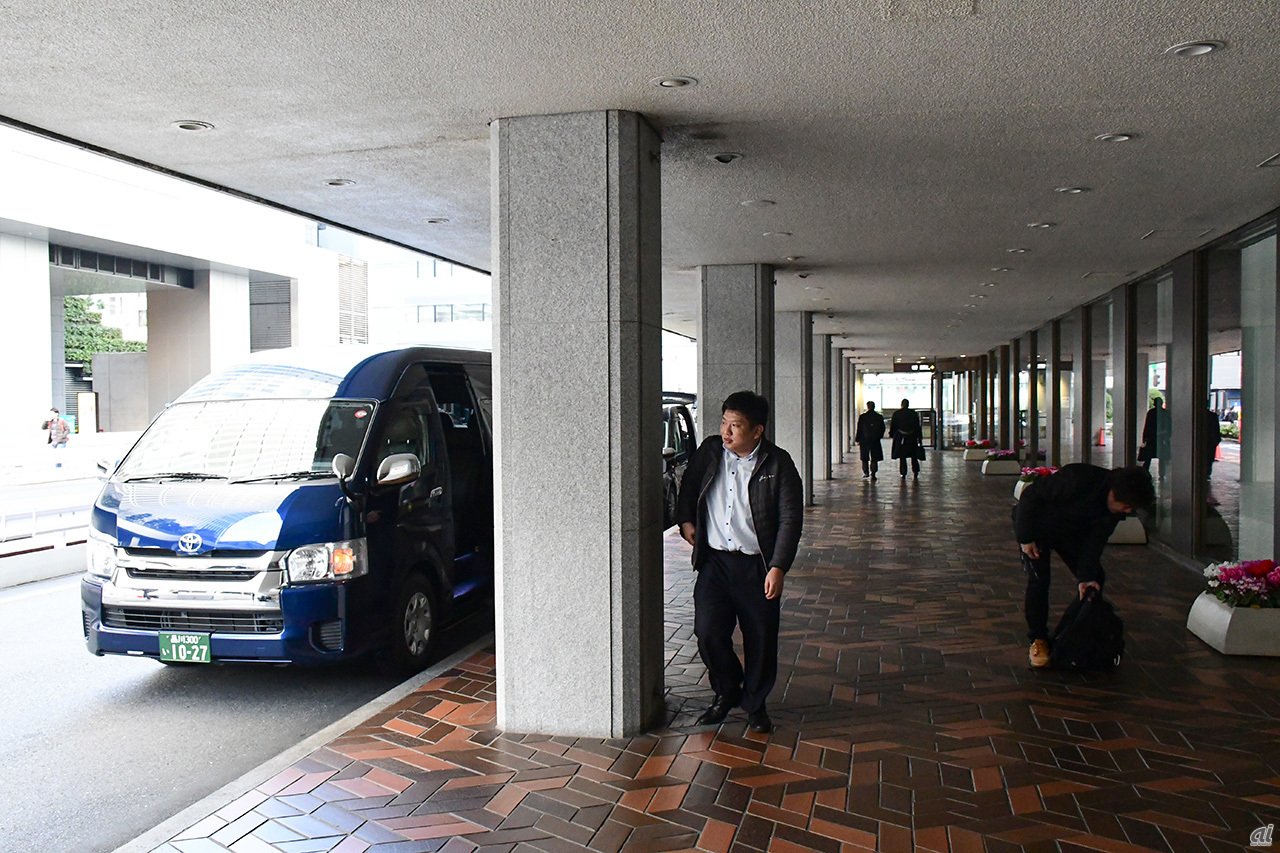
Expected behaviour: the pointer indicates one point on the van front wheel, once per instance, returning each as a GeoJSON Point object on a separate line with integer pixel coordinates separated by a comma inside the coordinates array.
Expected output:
{"type": "Point", "coordinates": [413, 628]}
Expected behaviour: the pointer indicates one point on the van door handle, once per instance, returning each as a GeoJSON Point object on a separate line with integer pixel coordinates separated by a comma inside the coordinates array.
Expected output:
{"type": "Point", "coordinates": [437, 492]}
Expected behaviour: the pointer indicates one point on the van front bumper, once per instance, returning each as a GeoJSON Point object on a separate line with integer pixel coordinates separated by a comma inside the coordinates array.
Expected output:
{"type": "Point", "coordinates": [310, 628]}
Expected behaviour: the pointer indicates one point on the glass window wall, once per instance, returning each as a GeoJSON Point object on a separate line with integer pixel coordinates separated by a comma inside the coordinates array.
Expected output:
{"type": "Point", "coordinates": [1236, 519]}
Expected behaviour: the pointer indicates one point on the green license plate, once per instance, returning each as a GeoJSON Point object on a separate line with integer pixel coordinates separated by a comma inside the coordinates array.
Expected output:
{"type": "Point", "coordinates": [184, 648]}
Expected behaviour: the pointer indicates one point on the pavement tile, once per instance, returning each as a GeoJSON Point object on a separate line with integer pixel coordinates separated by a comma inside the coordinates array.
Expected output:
{"type": "Point", "coordinates": [906, 717]}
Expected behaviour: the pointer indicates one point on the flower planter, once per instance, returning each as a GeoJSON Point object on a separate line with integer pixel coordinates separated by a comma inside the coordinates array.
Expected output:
{"type": "Point", "coordinates": [975, 454]}
{"type": "Point", "coordinates": [1130, 532]}
{"type": "Point", "coordinates": [1235, 630]}
{"type": "Point", "coordinates": [1002, 466]}
{"type": "Point", "coordinates": [1019, 486]}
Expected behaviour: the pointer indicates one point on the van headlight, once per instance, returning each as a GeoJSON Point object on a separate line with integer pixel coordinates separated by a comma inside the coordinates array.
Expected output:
{"type": "Point", "coordinates": [327, 561]}
{"type": "Point", "coordinates": [100, 554]}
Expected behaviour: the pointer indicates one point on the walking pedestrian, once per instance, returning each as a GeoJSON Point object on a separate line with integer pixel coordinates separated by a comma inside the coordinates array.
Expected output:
{"type": "Point", "coordinates": [868, 435]}
{"type": "Point", "coordinates": [904, 429]}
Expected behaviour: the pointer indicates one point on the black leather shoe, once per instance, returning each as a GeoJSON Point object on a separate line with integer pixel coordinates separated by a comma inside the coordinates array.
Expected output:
{"type": "Point", "coordinates": [715, 714]}
{"type": "Point", "coordinates": [758, 721]}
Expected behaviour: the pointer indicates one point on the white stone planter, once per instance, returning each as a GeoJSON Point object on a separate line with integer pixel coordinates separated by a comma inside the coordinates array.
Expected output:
{"type": "Point", "coordinates": [1002, 466]}
{"type": "Point", "coordinates": [976, 454]}
{"type": "Point", "coordinates": [1129, 532]}
{"type": "Point", "coordinates": [1019, 486]}
{"type": "Point", "coordinates": [1235, 630]}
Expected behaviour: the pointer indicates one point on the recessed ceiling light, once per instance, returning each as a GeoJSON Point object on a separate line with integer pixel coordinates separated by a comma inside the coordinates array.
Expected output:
{"type": "Point", "coordinates": [1041, 224]}
{"type": "Point", "coordinates": [727, 157]}
{"type": "Point", "coordinates": [988, 284]}
{"type": "Point", "coordinates": [776, 234]}
{"type": "Point", "coordinates": [794, 257]}
{"type": "Point", "coordinates": [192, 125]}
{"type": "Point", "coordinates": [1016, 251]}
{"type": "Point", "coordinates": [674, 82]}
{"type": "Point", "coordinates": [759, 202]}
{"type": "Point", "coordinates": [1115, 137]}
{"type": "Point", "coordinates": [435, 220]}
{"type": "Point", "coordinates": [340, 182]}
{"type": "Point", "coordinates": [1002, 269]}
{"type": "Point", "coordinates": [982, 296]}
{"type": "Point", "coordinates": [1071, 190]}
{"type": "Point", "coordinates": [1194, 48]}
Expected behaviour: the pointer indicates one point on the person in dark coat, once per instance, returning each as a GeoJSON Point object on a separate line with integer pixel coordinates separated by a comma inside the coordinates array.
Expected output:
{"type": "Point", "coordinates": [1073, 512]}
{"type": "Point", "coordinates": [867, 437]}
{"type": "Point", "coordinates": [904, 429]}
{"type": "Point", "coordinates": [1155, 436]}
{"type": "Point", "coordinates": [741, 507]}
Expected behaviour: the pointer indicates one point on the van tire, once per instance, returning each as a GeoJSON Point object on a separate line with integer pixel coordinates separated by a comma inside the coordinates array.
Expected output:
{"type": "Point", "coordinates": [413, 627]}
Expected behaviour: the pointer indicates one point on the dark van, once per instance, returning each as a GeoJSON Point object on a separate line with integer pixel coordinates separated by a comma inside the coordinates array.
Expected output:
{"type": "Point", "coordinates": [308, 506]}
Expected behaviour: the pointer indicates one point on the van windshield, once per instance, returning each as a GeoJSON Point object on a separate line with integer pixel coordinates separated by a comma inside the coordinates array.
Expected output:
{"type": "Point", "coordinates": [248, 440]}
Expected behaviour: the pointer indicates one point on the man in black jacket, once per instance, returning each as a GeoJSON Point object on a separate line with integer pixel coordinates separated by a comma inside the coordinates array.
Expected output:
{"type": "Point", "coordinates": [867, 436]}
{"type": "Point", "coordinates": [1073, 512]}
{"type": "Point", "coordinates": [904, 429]}
{"type": "Point", "coordinates": [741, 507]}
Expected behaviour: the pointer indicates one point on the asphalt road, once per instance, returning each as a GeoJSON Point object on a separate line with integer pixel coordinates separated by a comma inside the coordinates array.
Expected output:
{"type": "Point", "coordinates": [95, 751]}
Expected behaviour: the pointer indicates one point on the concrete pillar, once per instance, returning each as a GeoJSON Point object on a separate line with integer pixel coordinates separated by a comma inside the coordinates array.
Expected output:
{"type": "Point", "coordinates": [1031, 359]}
{"type": "Point", "coordinates": [792, 406]}
{"type": "Point", "coordinates": [823, 420]}
{"type": "Point", "coordinates": [1124, 390]}
{"type": "Point", "coordinates": [835, 368]}
{"type": "Point", "coordinates": [735, 338]}
{"type": "Point", "coordinates": [1006, 403]}
{"type": "Point", "coordinates": [578, 307]}
{"type": "Point", "coordinates": [1054, 391]}
{"type": "Point", "coordinates": [31, 362]}
{"type": "Point", "coordinates": [1187, 383]}
{"type": "Point", "coordinates": [193, 332]}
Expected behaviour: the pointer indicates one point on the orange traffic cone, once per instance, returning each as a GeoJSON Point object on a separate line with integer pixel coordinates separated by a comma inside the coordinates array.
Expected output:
{"type": "Point", "coordinates": [1102, 437]}
{"type": "Point", "coordinates": [1217, 451]}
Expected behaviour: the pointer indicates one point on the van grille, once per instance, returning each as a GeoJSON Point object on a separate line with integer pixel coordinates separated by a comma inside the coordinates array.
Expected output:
{"type": "Point", "coordinates": [231, 573]}
{"type": "Point", "coordinates": [201, 621]}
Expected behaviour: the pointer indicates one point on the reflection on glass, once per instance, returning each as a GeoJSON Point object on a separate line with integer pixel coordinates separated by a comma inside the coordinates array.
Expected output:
{"type": "Point", "coordinates": [1100, 396]}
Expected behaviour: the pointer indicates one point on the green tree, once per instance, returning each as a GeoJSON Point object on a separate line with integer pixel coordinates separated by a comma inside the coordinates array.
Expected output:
{"type": "Point", "coordinates": [85, 335]}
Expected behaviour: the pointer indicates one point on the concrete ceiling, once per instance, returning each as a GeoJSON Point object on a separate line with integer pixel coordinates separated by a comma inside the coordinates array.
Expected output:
{"type": "Point", "coordinates": [906, 144]}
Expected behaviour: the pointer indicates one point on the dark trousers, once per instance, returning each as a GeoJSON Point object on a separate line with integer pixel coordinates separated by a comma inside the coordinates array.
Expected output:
{"type": "Point", "coordinates": [1036, 603]}
{"type": "Point", "coordinates": [729, 591]}
{"type": "Point", "coordinates": [902, 465]}
{"type": "Point", "coordinates": [869, 463]}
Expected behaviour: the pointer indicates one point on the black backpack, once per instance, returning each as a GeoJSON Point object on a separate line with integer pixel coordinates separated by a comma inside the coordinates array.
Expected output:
{"type": "Point", "coordinates": [1089, 637]}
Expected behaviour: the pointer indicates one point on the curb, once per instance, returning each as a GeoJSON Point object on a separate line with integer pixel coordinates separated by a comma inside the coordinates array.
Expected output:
{"type": "Point", "coordinates": [237, 788]}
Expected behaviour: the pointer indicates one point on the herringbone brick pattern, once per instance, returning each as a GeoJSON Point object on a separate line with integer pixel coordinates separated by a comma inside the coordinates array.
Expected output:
{"type": "Point", "coordinates": [907, 719]}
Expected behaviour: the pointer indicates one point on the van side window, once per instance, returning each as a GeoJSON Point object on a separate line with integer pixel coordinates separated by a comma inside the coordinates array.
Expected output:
{"type": "Point", "coordinates": [407, 431]}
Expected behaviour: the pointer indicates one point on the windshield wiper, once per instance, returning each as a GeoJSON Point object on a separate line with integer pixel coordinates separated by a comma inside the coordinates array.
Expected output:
{"type": "Point", "coordinates": [176, 475]}
{"type": "Point", "coordinates": [292, 475]}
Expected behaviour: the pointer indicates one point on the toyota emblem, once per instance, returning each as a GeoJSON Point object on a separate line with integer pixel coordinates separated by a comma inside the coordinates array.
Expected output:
{"type": "Point", "coordinates": [190, 543]}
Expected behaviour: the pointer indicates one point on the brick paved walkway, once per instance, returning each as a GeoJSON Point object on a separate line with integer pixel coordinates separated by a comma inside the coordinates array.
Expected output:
{"type": "Point", "coordinates": [906, 719]}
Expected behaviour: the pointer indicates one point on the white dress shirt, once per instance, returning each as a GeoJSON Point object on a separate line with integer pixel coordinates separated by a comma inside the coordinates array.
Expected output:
{"type": "Point", "coordinates": [729, 526]}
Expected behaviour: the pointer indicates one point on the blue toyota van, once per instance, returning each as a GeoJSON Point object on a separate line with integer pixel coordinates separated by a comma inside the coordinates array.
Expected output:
{"type": "Point", "coordinates": [306, 506]}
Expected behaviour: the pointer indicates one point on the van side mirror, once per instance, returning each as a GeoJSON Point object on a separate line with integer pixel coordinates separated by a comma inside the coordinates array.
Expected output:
{"type": "Point", "coordinates": [343, 465]}
{"type": "Point", "coordinates": [398, 469]}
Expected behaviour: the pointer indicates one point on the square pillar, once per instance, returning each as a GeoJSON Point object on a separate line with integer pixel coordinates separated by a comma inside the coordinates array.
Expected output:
{"type": "Point", "coordinates": [1124, 383]}
{"type": "Point", "coordinates": [1187, 383]}
{"type": "Point", "coordinates": [735, 337]}
{"type": "Point", "coordinates": [823, 421]}
{"type": "Point", "coordinates": [193, 332]}
{"type": "Point", "coordinates": [1054, 390]}
{"type": "Point", "coordinates": [1008, 435]}
{"type": "Point", "coordinates": [33, 356]}
{"type": "Point", "coordinates": [577, 309]}
{"type": "Point", "coordinates": [791, 411]}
